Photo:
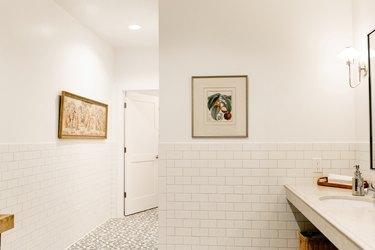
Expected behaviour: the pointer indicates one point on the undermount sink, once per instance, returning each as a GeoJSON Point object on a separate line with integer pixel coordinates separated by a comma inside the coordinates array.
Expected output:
{"type": "Point", "coordinates": [348, 201]}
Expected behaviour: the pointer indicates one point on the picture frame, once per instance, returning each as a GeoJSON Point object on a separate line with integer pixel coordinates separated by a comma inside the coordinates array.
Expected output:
{"type": "Point", "coordinates": [220, 106]}
{"type": "Point", "coordinates": [82, 118]}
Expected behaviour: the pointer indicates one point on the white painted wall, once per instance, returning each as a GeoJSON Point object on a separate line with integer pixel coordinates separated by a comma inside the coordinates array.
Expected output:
{"type": "Point", "coordinates": [137, 68]}
{"type": "Point", "coordinates": [43, 50]}
{"type": "Point", "coordinates": [50, 184]}
{"type": "Point", "coordinates": [363, 23]}
{"type": "Point", "coordinates": [298, 89]}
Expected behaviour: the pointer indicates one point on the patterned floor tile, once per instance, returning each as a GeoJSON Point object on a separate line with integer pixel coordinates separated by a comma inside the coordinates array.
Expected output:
{"type": "Point", "coordinates": [138, 231]}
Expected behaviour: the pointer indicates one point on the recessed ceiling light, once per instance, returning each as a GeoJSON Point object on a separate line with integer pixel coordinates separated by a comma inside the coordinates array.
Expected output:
{"type": "Point", "coordinates": [134, 27]}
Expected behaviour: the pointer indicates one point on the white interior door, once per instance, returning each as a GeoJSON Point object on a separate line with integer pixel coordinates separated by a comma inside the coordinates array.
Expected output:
{"type": "Point", "coordinates": [141, 142]}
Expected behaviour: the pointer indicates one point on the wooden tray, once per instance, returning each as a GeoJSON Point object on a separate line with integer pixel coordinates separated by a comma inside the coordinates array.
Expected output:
{"type": "Point", "coordinates": [6, 222]}
{"type": "Point", "coordinates": [323, 181]}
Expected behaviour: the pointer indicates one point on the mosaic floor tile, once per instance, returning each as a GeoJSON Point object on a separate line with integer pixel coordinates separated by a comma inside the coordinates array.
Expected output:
{"type": "Point", "coordinates": [138, 231]}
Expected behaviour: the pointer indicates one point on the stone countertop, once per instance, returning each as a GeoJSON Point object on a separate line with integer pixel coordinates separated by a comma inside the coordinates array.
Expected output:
{"type": "Point", "coordinates": [6, 222]}
{"type": "Point", "coordinates": [346, 226]}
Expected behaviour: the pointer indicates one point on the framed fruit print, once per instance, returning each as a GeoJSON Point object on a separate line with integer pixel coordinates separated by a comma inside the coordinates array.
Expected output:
{"type": "Point", "coordinates": [219, 106]}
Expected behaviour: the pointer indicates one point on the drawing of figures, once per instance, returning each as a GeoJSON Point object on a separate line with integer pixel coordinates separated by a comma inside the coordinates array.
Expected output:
{"type": "Point", "coordinates": [69, 117]}
{"type": "Point", "coordinates": [82, 117]}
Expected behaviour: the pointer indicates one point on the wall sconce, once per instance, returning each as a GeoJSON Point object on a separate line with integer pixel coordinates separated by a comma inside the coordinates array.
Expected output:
{"type": "Point", "coordinates": [349, 54]}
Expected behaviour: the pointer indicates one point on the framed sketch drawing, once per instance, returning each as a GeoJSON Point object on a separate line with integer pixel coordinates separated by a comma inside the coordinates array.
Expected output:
{"type": "Point", "coordinates": [219, 106]}
{"type": "Point", "coordinates": [82, 118]}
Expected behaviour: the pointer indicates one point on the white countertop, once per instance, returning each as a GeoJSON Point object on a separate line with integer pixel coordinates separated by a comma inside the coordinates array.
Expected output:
{"type": "Point", "coordinates": [347, 227]}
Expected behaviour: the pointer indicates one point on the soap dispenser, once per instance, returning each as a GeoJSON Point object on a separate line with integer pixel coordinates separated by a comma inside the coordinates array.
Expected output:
{"type": "Point", "coordinates": [358, 183]}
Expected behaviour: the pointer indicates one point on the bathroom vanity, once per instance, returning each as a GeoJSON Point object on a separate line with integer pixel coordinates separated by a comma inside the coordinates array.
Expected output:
{"type": "Point", "coordinates": [6, 223]}
{"type": "Point", "coordinates": [347, 221]}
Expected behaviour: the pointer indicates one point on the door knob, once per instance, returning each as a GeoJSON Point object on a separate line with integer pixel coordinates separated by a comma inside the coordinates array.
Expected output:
{"type": "Point", "coordinates": [156, 156]}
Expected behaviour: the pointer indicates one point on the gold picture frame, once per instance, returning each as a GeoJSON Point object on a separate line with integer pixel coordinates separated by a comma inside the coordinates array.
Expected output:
{"type": "Point", "coordinates": [82, 118]}
{"type": "Point", "coordinates": [220, 106]}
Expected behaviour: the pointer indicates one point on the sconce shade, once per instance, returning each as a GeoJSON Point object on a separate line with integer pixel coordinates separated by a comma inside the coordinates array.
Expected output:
{"type": "Point", "coordinates": [349, 53]}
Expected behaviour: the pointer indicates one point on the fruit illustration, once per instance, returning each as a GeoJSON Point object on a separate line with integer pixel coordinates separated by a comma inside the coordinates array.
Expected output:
{"type": "Point", "coordinates": [227, 116]}
{"type": "Point", "coordinates": [220, 106]}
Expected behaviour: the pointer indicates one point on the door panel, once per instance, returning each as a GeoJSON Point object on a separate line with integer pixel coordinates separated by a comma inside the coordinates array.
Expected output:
{"type": "Point", "coordinates": [141, 141]}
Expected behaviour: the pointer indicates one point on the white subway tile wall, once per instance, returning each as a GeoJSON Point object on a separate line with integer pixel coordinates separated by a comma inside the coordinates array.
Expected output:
{"type": "Point", "coordinates": [58, 193]}
{"type": "Point", "coordinates": [212, 196]}
{"type": "Point", "coordinates": [231, 195]}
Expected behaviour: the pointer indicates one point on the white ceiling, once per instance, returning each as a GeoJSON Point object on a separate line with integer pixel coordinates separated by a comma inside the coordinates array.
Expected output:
{"type": "Point", "coordinates": [110, 19]}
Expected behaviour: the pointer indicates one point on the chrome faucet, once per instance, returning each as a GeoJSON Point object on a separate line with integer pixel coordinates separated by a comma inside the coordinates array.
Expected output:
{"type": "Point", "coordinates": [358, 183]}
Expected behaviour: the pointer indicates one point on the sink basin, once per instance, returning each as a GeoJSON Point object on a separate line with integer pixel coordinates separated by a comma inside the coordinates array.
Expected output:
{"type": "Point", "coordinates": [347, 201]}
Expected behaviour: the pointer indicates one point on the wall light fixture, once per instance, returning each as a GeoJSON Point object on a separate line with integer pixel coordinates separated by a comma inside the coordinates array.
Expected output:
{"type": "Point", "coordinates": [349, 54]}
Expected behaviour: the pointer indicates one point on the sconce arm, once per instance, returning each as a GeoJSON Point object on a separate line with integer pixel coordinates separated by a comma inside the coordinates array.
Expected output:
{"type": "Point", "coordinates": [362, 72]}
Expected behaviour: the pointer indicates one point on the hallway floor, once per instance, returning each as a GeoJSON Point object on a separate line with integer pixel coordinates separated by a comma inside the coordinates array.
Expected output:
{"type": "Point", "coordinates": [138, 231]}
